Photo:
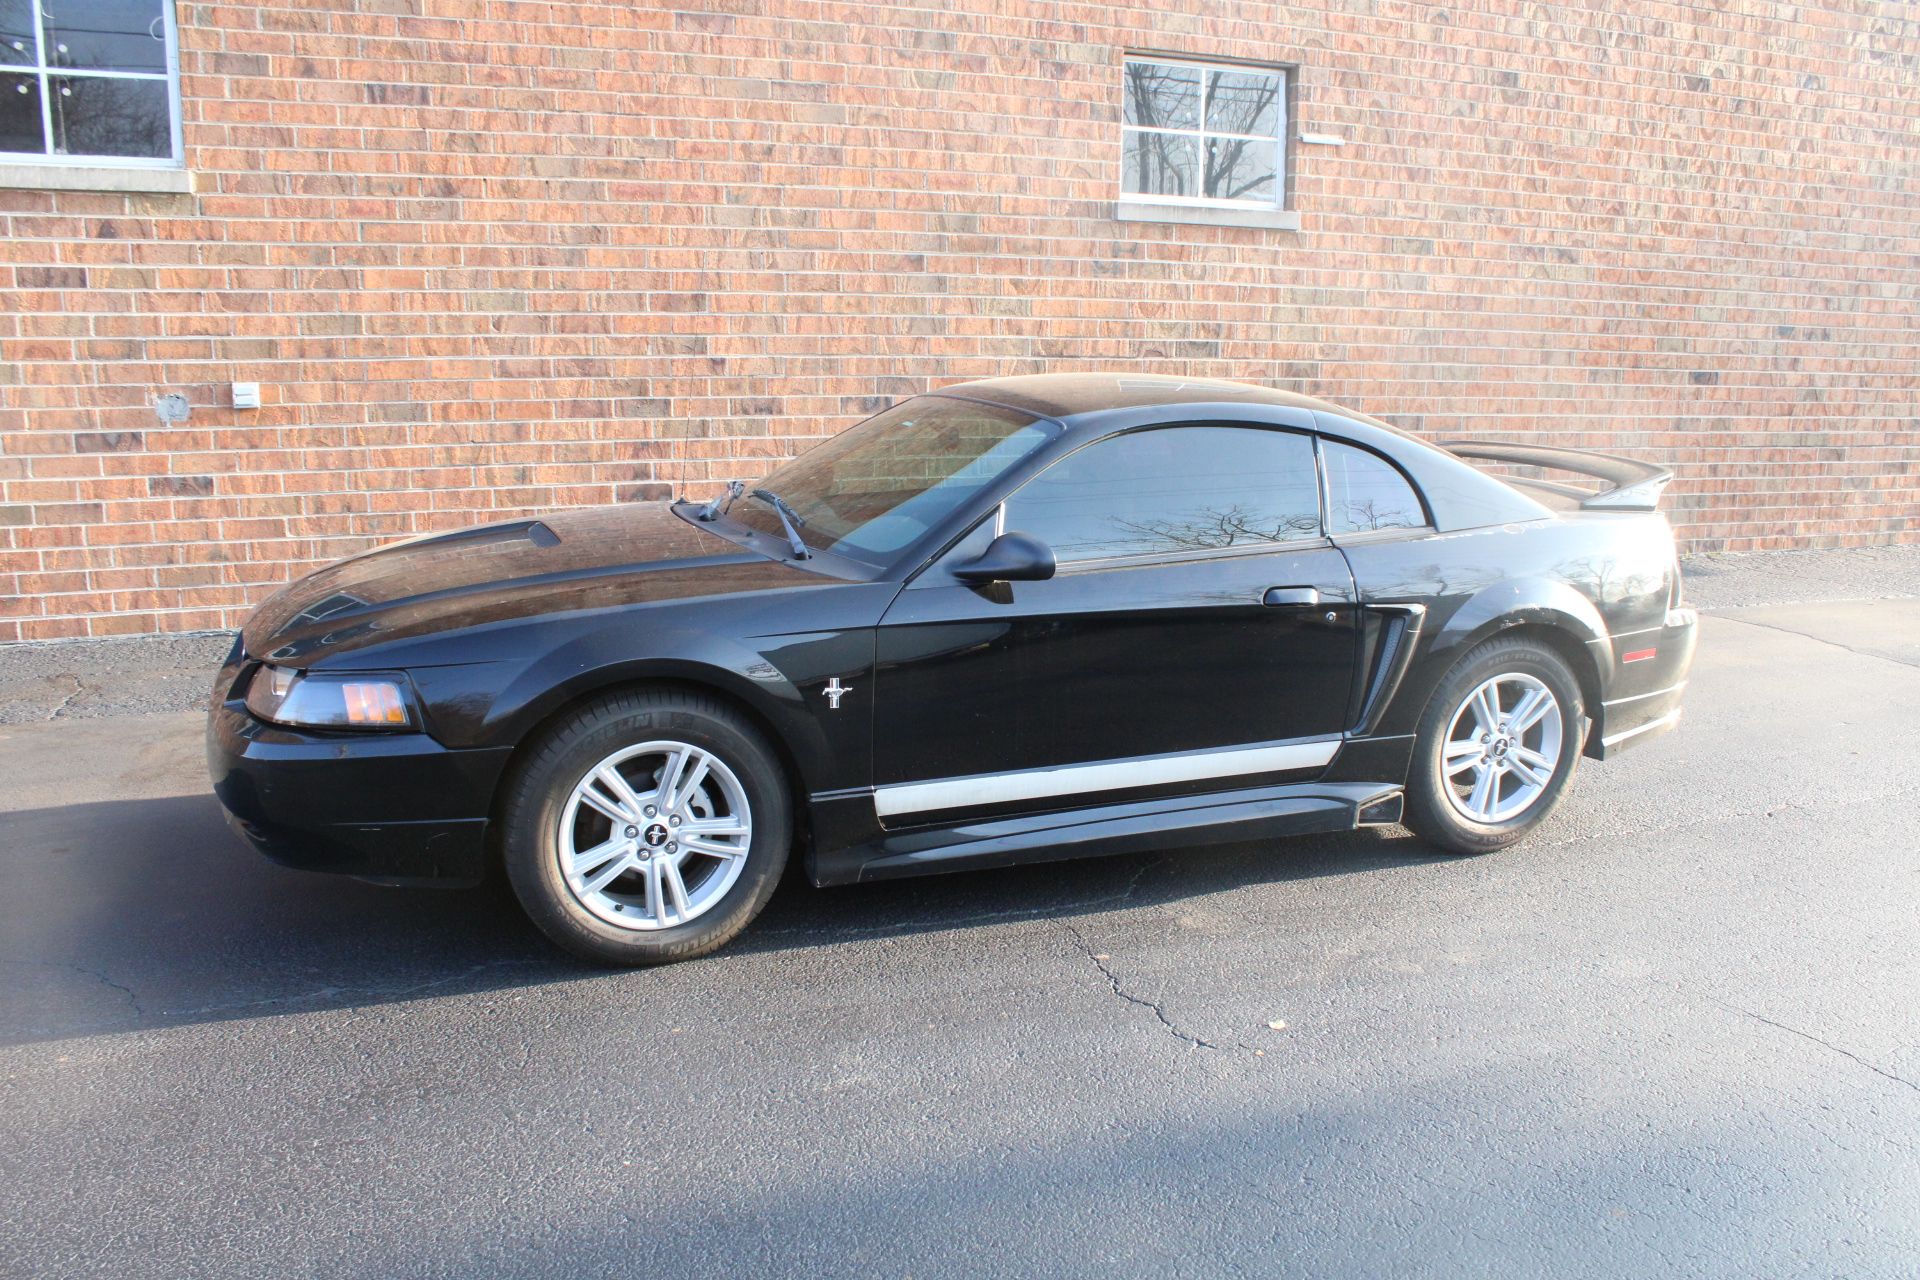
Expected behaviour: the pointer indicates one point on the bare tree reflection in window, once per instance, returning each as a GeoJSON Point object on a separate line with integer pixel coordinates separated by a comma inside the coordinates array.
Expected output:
{"type": "Point", "coordinates": [1192, 131]}
{"type": "Point", "coordinates": [1366, 516]}
{"type": "Point", "coordinates": [103, 117]}
{"type": "Point", "coordinates": [1160, 96]}
{"type": "Point", "coordinates": [1213, 529]}
{"type": "Point", "coordinates": [1367, 493]}
{"type": "Point", "coordinates": [94, 79]}
{"type": "Point", "coordinates": [20, 130]}
{"type": "Point", "coordinates": [1247, 104]}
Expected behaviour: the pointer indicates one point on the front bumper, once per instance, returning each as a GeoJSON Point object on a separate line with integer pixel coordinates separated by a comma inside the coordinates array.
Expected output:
{"type": "Point", "coordinates": [397, 808]}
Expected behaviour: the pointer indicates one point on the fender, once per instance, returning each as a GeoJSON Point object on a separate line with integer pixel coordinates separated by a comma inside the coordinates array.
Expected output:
{"type": "Point", "coordinates": [1531, 601]}
{"type": "Point", "coordinates": [778, 683]}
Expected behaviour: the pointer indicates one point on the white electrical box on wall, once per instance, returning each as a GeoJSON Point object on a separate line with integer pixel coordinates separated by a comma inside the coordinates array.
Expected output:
{"type": "Point", "coordinates": [246, 395]}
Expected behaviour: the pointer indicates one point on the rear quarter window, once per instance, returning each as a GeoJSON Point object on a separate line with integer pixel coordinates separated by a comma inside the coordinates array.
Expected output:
{"type": "Point", "coordinates": [1366, 493]}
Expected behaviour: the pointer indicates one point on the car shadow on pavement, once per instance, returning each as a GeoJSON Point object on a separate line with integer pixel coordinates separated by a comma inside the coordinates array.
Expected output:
{"type": "Point", "coordinates": [139, 914]}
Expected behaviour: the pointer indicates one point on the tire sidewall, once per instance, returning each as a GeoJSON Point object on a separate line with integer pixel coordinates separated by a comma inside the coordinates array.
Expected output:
{"type": "Point", "coordinates": [1433, 813]}
{"type": "Point", "coordinates": [531, 846]}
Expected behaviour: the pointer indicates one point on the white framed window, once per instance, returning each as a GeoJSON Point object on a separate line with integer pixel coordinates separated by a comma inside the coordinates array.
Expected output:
{"type": "Point", "coordinates": [90, 82]}
{"type": "Point", "coordinates": [1208, 134]}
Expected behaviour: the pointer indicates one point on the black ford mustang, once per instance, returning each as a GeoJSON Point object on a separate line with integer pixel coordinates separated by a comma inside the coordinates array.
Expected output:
{"type": "Point", "coordinates": [1013, 620]}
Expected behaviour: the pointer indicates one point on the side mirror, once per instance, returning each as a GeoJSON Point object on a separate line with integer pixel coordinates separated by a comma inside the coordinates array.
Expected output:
{"type": "Point", "coordinates": [1011, 557]}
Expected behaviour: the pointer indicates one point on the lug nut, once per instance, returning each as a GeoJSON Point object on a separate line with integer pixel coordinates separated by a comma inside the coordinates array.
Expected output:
{"type": "Point", "coordinates": [674, 820]}
{"type": "Point", "coordinates": [651, 811]}
{"type": "Point", "coordinates": [672, 847]}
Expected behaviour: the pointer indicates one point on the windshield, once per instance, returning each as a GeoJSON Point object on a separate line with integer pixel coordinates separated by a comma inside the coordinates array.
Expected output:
{"type": "Point", "coordinates": [875, 489]}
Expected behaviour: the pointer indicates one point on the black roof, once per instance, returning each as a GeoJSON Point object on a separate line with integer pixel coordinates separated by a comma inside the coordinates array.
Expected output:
{"type": "Point", "coordinates": [1065, 395]}
{"type": "Point", "coordinates": [1458, 495]}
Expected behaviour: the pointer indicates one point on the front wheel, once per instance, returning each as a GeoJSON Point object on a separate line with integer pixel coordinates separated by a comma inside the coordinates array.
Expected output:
{"type": "Point", "coordinates": [1496, 747]}
{"type": "Point", "coordinates": [646, 827]}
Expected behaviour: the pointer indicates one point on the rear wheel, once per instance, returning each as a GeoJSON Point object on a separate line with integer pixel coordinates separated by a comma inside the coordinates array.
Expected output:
{"type": "Point", "coordinates": [1496, 747]}
{"type": "Point", "coordinates": [648, 826]}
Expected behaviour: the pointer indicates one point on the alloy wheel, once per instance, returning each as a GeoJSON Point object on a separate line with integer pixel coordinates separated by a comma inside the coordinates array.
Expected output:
{"type": "Point", "coordinates": [654, 835]}
{"type": "Point", "coordinates": [1502, 747]}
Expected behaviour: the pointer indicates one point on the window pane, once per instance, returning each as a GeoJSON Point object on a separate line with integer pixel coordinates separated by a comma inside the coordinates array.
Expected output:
{"type": "Point", "coordinates": [1244, 102]}
{"type": "Point", "coordinates": [106, 35]}
{"type": "Point", "coordinates": [1241, 169]}
{"type": "Point", "coordinates": [16, 33]}
{"type": "Point", "coordinates": [1366, 492]}
{"type": "Point", "coordinates": [95, 117]}
{"type": "Point", "coordinates": [1162, 97]}
{"type": "Point", "coordinates": [1174, 489]}
{"type": "Point", "coordinates": [873, 490]}
{"type": "Point", "coordinates": [1159, 164]}
{"type": "Point", "coordinates": [20, 115]}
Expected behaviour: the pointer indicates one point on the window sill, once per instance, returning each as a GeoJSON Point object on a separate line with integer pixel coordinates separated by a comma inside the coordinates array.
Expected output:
{"type": "Point", "coordinates": [73, 177]}
{"type": "Point", "coordinates": [1206, 215]}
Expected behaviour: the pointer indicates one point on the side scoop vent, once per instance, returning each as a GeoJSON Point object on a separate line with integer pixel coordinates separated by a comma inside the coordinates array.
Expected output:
{"type": "Point", "coordinates": [1392, 631]}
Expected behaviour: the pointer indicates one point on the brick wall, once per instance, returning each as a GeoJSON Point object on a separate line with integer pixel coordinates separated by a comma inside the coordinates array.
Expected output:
{"type": "Point", "coordinates": [489, 256]}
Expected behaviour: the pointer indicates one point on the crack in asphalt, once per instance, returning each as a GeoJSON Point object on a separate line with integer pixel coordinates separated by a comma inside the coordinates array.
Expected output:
{"type": "Point", "coordinates": [78, 689]}
{"type": "Point", "coordinates": [1789, 631]}
{"type": "Point", "coordinates": [389, 993]}
{"type": "Point", "coordinates": [133, 1000]}
{"type": "Point", "coordinates": [25, 708]}
{"type": "Point", "coordinates": [1824, 1044]}
{"type": "Point", "coordinates": [1159, 1011]}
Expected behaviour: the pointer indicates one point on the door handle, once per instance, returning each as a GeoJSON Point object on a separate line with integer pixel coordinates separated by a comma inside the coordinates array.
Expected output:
{"type": "Point", "coordinates": [1291, 595]}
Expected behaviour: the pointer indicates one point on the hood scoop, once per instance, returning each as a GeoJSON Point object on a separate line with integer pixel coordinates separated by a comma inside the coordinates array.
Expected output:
{"type": "Point", "coordinates": [591, 558]}
{"type": "Point", "coordinates": [533, 531]}
{"type": "Point", "coordinates": [332, 606]}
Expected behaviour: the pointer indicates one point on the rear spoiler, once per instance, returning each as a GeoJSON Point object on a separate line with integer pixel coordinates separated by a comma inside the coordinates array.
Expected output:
{"type": "Point", "coordinates": [1634, 486]}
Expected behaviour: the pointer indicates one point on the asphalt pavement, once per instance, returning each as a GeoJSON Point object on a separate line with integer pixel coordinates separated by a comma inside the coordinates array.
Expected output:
{"type": "Point", "coordinates": [1675, 1033]}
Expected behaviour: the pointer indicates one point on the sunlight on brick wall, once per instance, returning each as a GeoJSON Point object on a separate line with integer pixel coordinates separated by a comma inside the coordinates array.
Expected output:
{"type": "Point", "coordinates": [488, 257]}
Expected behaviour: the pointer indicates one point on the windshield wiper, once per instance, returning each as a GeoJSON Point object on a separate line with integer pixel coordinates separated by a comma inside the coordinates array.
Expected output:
{"type": "Point", "coordinates": [789, 519]}
{"type": "Point", "coordinates": [715, 509]}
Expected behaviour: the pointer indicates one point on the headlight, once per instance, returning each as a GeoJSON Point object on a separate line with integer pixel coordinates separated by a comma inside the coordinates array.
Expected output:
{"type": "Point", "coordinates": [319, 701]}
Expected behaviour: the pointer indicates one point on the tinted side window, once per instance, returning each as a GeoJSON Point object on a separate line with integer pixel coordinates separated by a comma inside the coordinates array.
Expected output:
{"type": "Point", "coordinates": [1365, 492]}
{"type": "Point", "coordinates": [1173, 489]}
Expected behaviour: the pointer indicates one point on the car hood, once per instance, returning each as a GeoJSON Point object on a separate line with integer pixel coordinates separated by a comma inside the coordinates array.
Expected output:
{"type": "Point", "coordinates": [597, 557]}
